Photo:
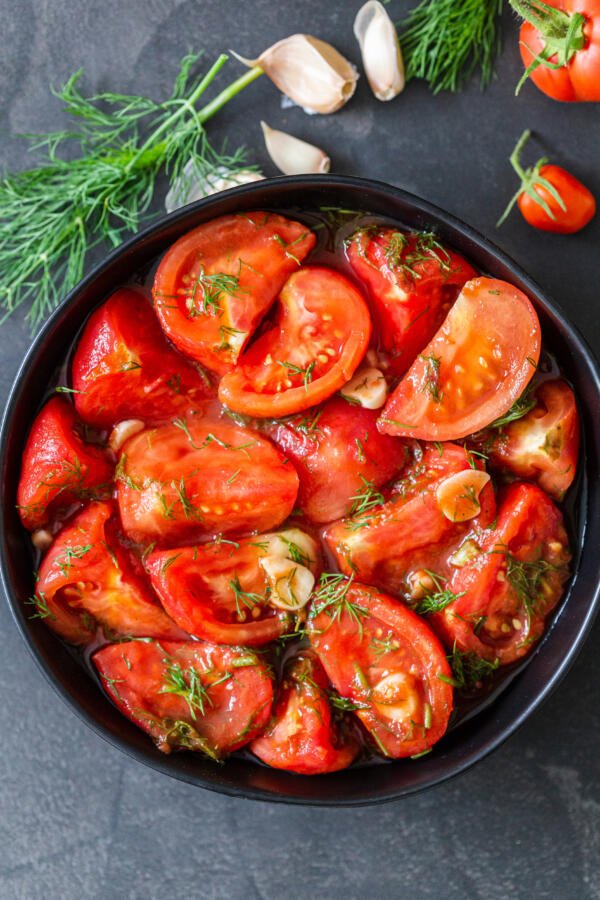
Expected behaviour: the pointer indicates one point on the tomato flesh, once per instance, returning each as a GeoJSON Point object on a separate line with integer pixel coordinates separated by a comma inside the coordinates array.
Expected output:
{"type": "Point", "coordinates": [123, 367]}
{"type": "Point", "coordinates": [321, 333]}
{"type": "Point", "coordinates": [178, 483]}
{"type": "Point", "coordinates": [188, 696]}
{"type": "Point", "coordinates": [214, 284]}
{"type": "Point", "coordinates": [385, 659]}
{"type": "Point", "coordinates": [472, 371]}
{"type": "Point", "coordinates": [59, 468]}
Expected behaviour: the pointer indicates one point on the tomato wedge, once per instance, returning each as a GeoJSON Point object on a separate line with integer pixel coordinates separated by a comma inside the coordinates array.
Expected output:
{"type": "Point", "coordinates": [201, 475]}
{"type": "Point", "coordinates": [542, 446]}
{"type": "Point", "coordinates": [412, 282]}
{"type": "Point", "coordinates": [472, 371]}
{"type": "Point", "coordinates": [88, 580]}
{"type": "Point", "coordinates": [123, 367]}
{"type": "Point", "coordinates": [386, 660]}
{"type": "Point", "coordinates": [303, 736]}
{"type": "Point", "coordinates": [393, 541]}
{"type": "Point", "coordinates": [320, 335]}
{"type": "Point", "coordinates": [59, 468]}
{"type": "Point", "coordinates": [338, 452]}
{"type": "Point", "coordinates": [214, 285]}
{"type": "Point", "coordinates": [219, 591]}
{"type": "Point", "coordinates": [188, 696]}
{"type": "Point", "coordinates": [507, 588]}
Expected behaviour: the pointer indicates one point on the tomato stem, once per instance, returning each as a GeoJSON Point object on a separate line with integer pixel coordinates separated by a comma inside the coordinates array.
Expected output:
{"type": "Point", "coordinates": [530, 180]}
{"type": "Point", "coordinates": [562, 32]}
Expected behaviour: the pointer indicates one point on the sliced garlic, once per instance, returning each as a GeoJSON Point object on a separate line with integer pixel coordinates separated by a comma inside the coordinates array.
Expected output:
{"type": "Point", "coordinates": [122, 431]}
{"type": "Point", "coordinates": [396, 697]}
{"type": "Point", "coordinates": [458, 495]}
{"type": "Point", "coordinates": [310, 72]}
{"type": "Point", "coordinates": [293, 156]}
{"type": "Point", "coordinates": [291, 544]}
{"type": "Point", "coordinates": [380, 49]}
{"type": "Point", "coordinates": [41, 539]}
{"type": "Point", "coordinates": [368, 388]}
{"type": "Point", "coordinates": [467, 551]}
{"type": "Point", "coordinates": [291, 583]}
{"type": "Point", "coordinates": [191, 185]}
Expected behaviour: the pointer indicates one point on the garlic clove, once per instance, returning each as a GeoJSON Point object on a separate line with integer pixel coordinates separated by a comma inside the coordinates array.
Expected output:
{"type": "Point", "coordinates": [191, 186]}
{"type": "Point", "coordinates": [368, 388]}
{"type": "Point", "coordinates": [41, 539]}
{"type": "Point", "coordinates": [293, 156]}
{"type": "Point", "coordinates": [458, 495]}
{"type": "Point", "coordinates": [291, 544]}
{"type": "Point", "coordinates": [291, 583]}
{"type": "Point", "coordinates": [310, 72]}
{"type": "Point", "coordinates": [380, 49]}
{"type": "Point", "coordinates": [122, 431]}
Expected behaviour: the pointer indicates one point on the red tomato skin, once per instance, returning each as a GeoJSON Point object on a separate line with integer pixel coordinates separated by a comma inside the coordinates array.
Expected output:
{"type": "Point", "coordinates": [409, 532]}
{"type": "Point", "coordinates": [543, 446]}
{"type": "Point", "coordinates": [579, 201]}
{"type": "Point", "coordinates": [579, 80]}
{"type": "Point", "coordinates": [490, 317]}
{"type": "Point", "coordinates": [193, 584]}
{"type": "Point", "coordinates": [530, 527]}
{"type": "Point", "coordinates": [58, 468]}
{"type": "Point", "coordinates": [302, 736]}
{"type": "Point", "coordinates": [319, 310]}
{"type": "Point", "coordinates": [176, 488]}
{"type": "Point", "coordinates": [337, 456]}
{"type": "Point", "coordinates": [408, 309]}
{"type": "Point", "coordinates": [344, 646]}
{"type": "Point", "coordinates": [260, 240]}
{"type": "Point", "coordinates": [98, 587]}
{"type": "Point", "coordinates": [123, 367]}
{"type": "Point", "coordinates": [134, 675]}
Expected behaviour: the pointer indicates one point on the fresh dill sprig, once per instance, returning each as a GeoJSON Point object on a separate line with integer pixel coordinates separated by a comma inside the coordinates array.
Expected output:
{"type": "Point", "coordinates": [307, 372]}
{"type": "Point", "coordinates": [431, 383]}
{"type": "Point", "coordinates": [186, 684]}
{"type": "Point", "coordinates": [445, 41]}
{"type": "Point", "coordinates": [522, 405]}
{"type": "Point", "coordinates": [438, 599]}
{"type": "Point", "coordinates": [331, 597]}
{"type": "Point", "coordinates": [365, 501]}
{"type": "Point", "coordinates": [468, 669]}
{"type": "Point", "coordinates": [244, 598]}
{"type": "Point", "coordinates": [96, 182]}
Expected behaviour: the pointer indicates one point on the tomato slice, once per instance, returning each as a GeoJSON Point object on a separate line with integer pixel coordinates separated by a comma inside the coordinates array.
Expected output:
{"type": "Point", "coordinates": [544, 445]}
{"type": "Point", "coordinates": [338, 453]}
{"type": "Point", "coordinates": [507, 588]}
{"type": "Point", "coordinates": [59, 468]}
{"type": "Point", "coordinates": [188, 696]}
{"type": "Point", "coordinates": [472, 371]}
{"type": "Point", "coordinates": [394, 540]}
{"type": "Point", "coordinates": [201, 475]}
{"type": "Point", "coordinates": [214, 285]}
{"type": "Point", "coordinates": [303, 736]}
{"type": "Point", "coordinates": [123, 367]}
{"type": "Point", "coordinates": [386, 660]}
{"type": "Point", "coordinates": [320, 335]}
{"type": "Point", "coordinates": [219, 591]}
{"type": "Point", "coordinates": [412, 281]}
{"type": "Point", "coordinates": [88, 580]}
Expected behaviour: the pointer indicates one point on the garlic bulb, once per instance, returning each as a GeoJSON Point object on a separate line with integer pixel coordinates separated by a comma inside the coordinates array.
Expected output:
{"type": "Point", "coordinates": [310, 72]}
{"type": "Point", "coordinates": [293, 156]}
{"type": "Point", "coordinates": [380, 49]}
{"type": "Point", "coordinates": [191, 186]}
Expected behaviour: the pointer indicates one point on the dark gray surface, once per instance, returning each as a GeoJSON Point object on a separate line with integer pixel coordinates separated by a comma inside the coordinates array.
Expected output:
{"type": "Point", "coordinates": [78, 819]}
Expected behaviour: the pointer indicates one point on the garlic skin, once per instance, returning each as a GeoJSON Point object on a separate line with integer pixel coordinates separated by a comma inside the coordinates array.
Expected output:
{"type": "Point", "coordinates": [368, 388]}
{"type": "Point", "coordinates": [310, 72]}
{"type": "Point", "coordinates": [380, 49]}
{"type": "Point", "coordinates": [189, 187]}
{"type": "Point", "coordinates": [293, 156]}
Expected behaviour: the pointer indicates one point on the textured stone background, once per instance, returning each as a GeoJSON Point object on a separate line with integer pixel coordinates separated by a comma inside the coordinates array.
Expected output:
{"type": "Point", "coordinates": [77, 818]}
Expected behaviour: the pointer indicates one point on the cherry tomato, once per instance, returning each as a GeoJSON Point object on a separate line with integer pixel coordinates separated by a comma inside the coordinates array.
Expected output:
{"type": "Point", "coordinates": [473, 370]}
{"type": "Point", "coordinates": [198, 476]}
{"type": "Point", "coordinates": [59, 468]}
{"type": "Point", "coordinates": [573, 73]}
{"type": "Point", "coordinates": [219, 591]}
{"type": "Point", "coordinates": [303, 736]}
{"type": "Point", "coordinates": [320, 335]}
{"type": "Point", "coordinates": [395, 540]}
{"type": "Point", "coordinates": [385, 660]}
{"type": "Point", "coordinates": [214, 285]}
{"type": "Point", "coordinates": [123, 367]}
{"type": "Point", "coordinates": [543, 446]}
{"type": "Point", "coordinates": [88, 580]}
{"type": "Point", "coordinates": [337, 452]}
{"type": "Point", "coordinates": [577, 208]}
{"type": "Point", "coordinates": [412, 282]}
{"type": "Point", "coordinates": [512, 581]}
{"type": "Point", "coordinates": [188, 696]}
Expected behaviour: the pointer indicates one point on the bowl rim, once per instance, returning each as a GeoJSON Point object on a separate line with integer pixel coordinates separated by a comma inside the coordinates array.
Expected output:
{"type": "Point", "coordinates": [455, 225]}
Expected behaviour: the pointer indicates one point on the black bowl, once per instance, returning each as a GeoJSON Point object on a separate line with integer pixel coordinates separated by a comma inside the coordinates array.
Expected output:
{"type": "Point", "coordinates": [474, 737]}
